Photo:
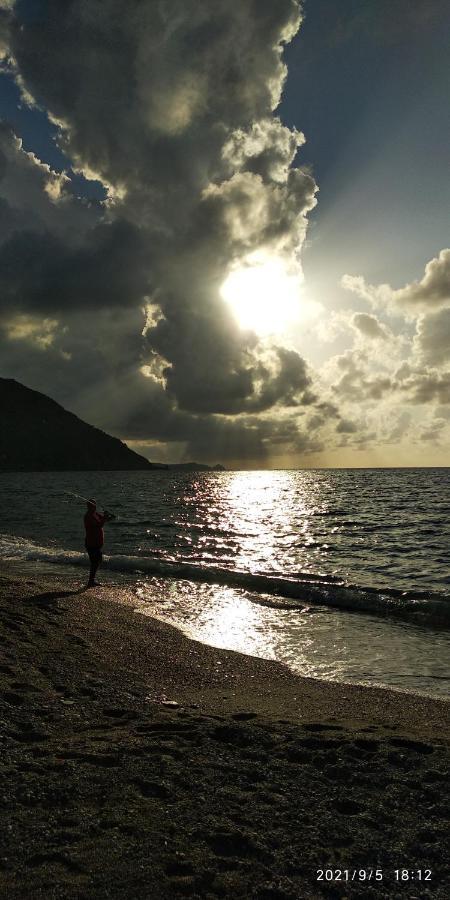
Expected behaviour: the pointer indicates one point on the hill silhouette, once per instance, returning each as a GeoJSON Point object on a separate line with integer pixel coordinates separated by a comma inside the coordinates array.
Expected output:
{"type": "Point", "coordinates": [38, 435]}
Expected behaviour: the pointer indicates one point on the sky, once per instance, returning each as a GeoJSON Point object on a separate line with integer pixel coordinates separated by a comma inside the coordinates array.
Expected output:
{"type": "Point", "coordinates": [224, 230]}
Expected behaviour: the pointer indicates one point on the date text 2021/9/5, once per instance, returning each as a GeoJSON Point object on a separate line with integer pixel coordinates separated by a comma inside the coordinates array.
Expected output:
{"type": "Point", "coordinates": [372, 874]}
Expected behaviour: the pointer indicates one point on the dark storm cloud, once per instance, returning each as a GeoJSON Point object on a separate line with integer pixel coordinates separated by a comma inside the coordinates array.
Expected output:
{"type": "Point", "coordinates": [35, 198]}
{"type": "Point", "coordinates": [139, 85]}
{"type": "Point", "coordinates": [55, 252]}
{"type": "Point", "coordinates": [5, 19]}
{"type": "Point", "coordinates": [238, 379]}
{"type": "Point", "coordinates": [171, 105]}
{"type": "Point", "coordinates": [139, 410]}
{"type": "Point", "coordinates": [75, 359]}
{"type": "Point", "coordinates": [42, 274]}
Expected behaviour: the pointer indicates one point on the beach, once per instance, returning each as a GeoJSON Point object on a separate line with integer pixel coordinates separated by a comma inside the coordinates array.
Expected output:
{"type": "Point", "coordinates": [139, 763]}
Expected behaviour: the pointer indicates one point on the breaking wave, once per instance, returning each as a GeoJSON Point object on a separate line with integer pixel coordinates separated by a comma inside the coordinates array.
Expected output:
{"type": "Point", "coordinates": [290, 592]}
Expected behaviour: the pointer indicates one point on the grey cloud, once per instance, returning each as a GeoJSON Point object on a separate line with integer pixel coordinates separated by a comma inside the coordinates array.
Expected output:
{"type": "Point", "coordinates": [400, 428]}
{"type": "Point", "coordinates": [345, 426]}
{"type": "Point", "coordinates": [187, 68]}
{"type": "Point", "coordinates": [35, 198]}
{"type": "Point", "coordinates": [433, 432]}
{"type": "Point", "coordinates": [427, 387]}
{"type": "Point", "coordinates": [225, 376]}
{"type": "Point", "coordinates": [267, 149]}
{"type": "Point", "coordinates": [84, 354]}
{"type": "Point", "coordinates": [136, 409]}
{"type": "Point", "coordinates": [41, 273]}
{"type": "Point", "coordinates": [170, 104]}
{"type": "Point", "coordinates": [434, 287]}
{"type": "Point", "coordinates": [56, 252]}
{"type": "Point", "coordinates": [369, 326]}
{"type": "Point", "coordinates": [408, 384]}
{"type": "Point", "coordinates": [432, 291]}
{"type": "Point", "coordinates": [355, 383]}
{"type": "Point", "coordinates": [433, 338]}
{"type": "Point", "coordinates": [5, 18]}
{"type": "Point", "coordinates": [328, 409]}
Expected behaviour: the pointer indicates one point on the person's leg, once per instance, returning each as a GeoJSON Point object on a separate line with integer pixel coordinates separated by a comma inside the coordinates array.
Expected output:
{"type": "Point", "coordinates": [95, 557]}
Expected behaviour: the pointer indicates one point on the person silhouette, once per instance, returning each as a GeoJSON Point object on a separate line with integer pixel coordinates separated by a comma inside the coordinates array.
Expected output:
{"type": "Point", "coordinates": [93, 523]}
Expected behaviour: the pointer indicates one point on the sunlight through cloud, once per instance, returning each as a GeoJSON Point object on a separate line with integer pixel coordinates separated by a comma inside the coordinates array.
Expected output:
{"type": "Point", "coordinates": [263, 296]}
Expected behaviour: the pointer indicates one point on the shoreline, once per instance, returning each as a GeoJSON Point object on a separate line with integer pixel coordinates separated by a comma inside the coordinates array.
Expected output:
{"type": "Point", "coordinates": [135, 589]}
{"type": "Point", "coordinates": [251, 780]}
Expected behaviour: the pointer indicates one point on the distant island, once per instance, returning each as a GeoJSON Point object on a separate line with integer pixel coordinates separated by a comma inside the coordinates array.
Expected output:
{"type": "Point", "coordinates": [39, 435]}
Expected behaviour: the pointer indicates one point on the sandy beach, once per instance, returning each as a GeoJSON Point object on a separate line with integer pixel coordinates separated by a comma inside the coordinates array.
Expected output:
{"type": "Point", "coordinates": [138, 763]}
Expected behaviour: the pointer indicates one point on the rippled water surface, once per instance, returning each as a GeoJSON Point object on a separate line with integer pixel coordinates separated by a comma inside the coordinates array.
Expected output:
{"type": "Point", "coordinates": [316, 642]}
{"type": "Point", "coordinates": [370, 541]}
{"type": "Point", "coordinates": [373, 527]}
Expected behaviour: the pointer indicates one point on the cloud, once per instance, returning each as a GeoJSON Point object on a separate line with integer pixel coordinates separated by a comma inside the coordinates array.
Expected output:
{"type": "Point", "coordinates": [37, 331]}
{"type": "Point", "coordinates": [35, 198]}
{"type": "Point", "coordinates": [41, 273]}
{"type": "Point", "coordinates": [115, 308]}
{"type": "Point", "coordinates": [345, 426]}
{"type": "Point", "coordinates": [397, 425]}
{"type": "Point", "coordinates": [353, 380]}
{"type": "Point", "coordinates": [369, 326]}
{"type": "Point", "coordinates": [171, 106]}
{"type": "Point", "coordinates": [434, 288]}
{"type": "Point", "coordinates": [5, 8]}
{"type": "Point", "coordinates": [188, 71]}
{"type": "Point", "coordinates": [432, 291]}
{"type": "Point", "coordinates": [432, 340]}
{"type": "Point", "coordinates": [433, 433]}
{"type": "Point", "coordinates": [427, 387]}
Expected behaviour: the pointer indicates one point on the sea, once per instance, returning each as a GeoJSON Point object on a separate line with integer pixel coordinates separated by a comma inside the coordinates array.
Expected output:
{"type": "Point", "coordinates": [340, 574]}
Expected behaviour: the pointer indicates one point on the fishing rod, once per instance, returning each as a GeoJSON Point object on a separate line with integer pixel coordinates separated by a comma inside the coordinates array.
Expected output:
{"type": "Point", "coordinates": [84, 499]}
{"type": "Point", "coordinates": [78, 496]}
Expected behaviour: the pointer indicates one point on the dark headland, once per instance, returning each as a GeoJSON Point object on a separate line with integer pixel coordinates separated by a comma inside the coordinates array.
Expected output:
{"type": "Point", "coordinates": [39, 435]}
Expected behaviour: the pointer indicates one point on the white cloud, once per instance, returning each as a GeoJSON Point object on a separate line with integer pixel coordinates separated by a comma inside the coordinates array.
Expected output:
{"type": "Point", "coordinates": [432, 291]}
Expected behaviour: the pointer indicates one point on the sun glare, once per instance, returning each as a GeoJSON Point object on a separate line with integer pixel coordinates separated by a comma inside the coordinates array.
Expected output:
{"type": "Point", "coordinates": [263, 297]}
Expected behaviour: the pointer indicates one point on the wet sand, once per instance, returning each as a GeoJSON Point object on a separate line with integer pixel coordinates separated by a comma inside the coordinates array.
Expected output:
{"type": "Point", "coordinates": [138, 763]}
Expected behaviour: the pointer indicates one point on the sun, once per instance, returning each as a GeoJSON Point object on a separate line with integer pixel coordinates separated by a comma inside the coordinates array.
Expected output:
{"type": "Point", "coordinates": [263, 296]}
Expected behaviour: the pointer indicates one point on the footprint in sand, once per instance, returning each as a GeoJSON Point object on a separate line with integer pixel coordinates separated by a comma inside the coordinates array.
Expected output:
{"type": "Point", "coordinates": [41, 859]}
{"type": "Point", "coordinates": [367, 745]}
{"type": "Point", "coordinates": [13, 699]}
{"type": "Point", "coordinates": [321, 726]}
{"type": "Point", "coordinates": [347, 807]}
{"type": "Point", "coordinates": [415, 746]}
{"type": "Point", "coordinates": [152, 790]}
{"type": "Point", "coordinates": [233, 843]}
{"type": "Point", "coordinates": [119, 713]}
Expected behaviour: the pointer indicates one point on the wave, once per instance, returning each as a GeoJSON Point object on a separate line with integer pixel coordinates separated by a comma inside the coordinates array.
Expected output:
{"type": "Point", "coordinates": [292, 591]}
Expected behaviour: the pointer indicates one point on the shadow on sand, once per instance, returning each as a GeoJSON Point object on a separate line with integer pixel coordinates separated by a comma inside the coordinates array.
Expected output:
{"type": "Point", "coordinates": [50, 598]}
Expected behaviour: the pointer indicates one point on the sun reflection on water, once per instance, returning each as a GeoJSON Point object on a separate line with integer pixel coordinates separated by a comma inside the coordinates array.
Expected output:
{"type": "Point", "coordinates": [260, 508]}
{"type": "Point", "coordinates": [314, 642]}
